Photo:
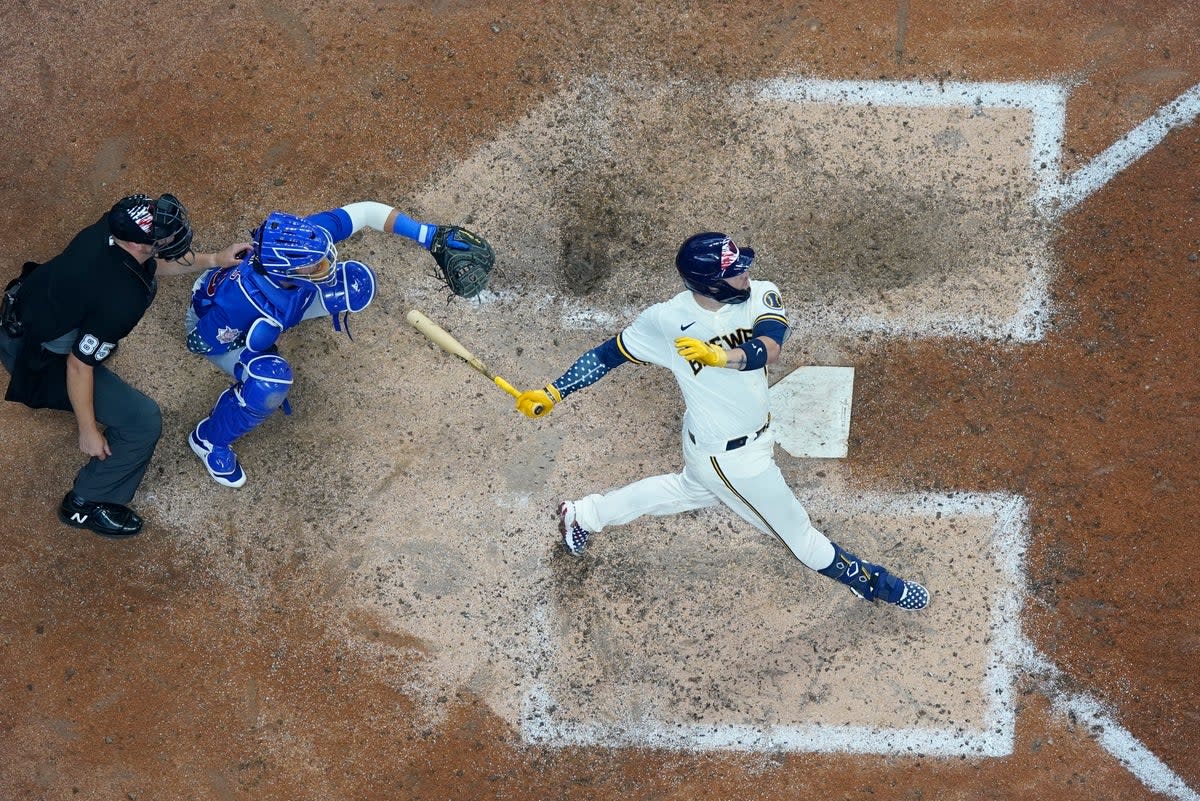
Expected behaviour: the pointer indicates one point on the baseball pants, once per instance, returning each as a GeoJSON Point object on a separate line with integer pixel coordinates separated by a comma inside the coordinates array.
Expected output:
{"type": "Point", "coordinates": [132, 425]}
{"type": "Point", "coordinates": [747, 480]}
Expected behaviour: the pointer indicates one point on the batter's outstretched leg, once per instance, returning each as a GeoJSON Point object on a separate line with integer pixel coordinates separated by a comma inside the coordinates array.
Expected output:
{"type": "Point", "coordinates": [667, 494]}
{"type": "Point", "coordinates": [873, 582]}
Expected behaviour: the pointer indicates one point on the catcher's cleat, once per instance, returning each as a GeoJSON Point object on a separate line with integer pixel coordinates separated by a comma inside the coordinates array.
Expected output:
{"type": "Point", "coordinates": [873, 582]}
{"type": "Point", "coordinates": [219, 460]}
{"type": "Point", "coordinates": [574, 536]}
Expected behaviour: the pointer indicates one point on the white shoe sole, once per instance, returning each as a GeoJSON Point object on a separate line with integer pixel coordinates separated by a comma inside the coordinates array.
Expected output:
{"type": "Point", "coordinates": [202, 452]}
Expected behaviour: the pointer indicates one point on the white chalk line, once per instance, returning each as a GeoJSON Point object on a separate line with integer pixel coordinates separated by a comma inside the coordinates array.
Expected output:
{"type": "Point", "coordinates": [1047, 103]}
{"type": "Point", "coordinates": [1101, 724]}
{"type": "Point", "coordinates": [1183, 110]}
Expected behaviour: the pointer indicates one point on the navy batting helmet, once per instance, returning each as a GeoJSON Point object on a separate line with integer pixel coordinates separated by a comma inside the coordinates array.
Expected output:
{"type": "Point", "coordinates": [705, 260]}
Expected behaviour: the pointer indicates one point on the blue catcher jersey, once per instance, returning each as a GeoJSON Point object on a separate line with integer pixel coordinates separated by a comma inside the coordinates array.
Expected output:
{"type": "Point", "coordinates": [232, 302]}
{"type": "Point", "coordinates": [238, 307]}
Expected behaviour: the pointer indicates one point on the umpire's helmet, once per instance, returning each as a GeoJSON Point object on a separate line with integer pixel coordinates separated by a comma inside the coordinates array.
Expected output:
{"type": "Point", "coordinates": [705, 260]}
{"type": "Point", "coordinates": [163, 223]}
{"type": "Point", "coordinates": [291, 247]}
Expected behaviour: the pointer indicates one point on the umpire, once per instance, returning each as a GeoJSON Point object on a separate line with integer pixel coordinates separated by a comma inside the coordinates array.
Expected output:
{"type": "Point", "coordinates": [62, 320]}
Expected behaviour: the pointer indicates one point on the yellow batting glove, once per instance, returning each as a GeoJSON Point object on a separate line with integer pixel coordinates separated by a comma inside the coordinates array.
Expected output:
{"type": "Point", "coordinates": [695, 350]}
{"type": "Point", "coordinates": [538, 402]}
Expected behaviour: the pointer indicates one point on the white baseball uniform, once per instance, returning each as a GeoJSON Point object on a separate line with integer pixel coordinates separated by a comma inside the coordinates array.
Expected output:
{"type": "Point", "coordinates": [728, 447]}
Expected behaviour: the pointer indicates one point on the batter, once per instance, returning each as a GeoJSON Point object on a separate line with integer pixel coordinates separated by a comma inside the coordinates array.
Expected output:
{"type": "Point", "coordinates": [717, 338]}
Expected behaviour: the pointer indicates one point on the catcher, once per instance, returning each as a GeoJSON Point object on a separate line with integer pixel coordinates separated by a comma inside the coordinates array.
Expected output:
{"type": "Point", "coordinates": [292, 274]}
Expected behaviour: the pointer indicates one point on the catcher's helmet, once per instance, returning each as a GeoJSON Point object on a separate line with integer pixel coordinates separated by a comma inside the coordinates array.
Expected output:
{"type": "Point", "coordinates": [286, 246]}
{"type": "Point", "coordinates": [705, 260]}
{"type": "Point", "coordinates": [163, 223]}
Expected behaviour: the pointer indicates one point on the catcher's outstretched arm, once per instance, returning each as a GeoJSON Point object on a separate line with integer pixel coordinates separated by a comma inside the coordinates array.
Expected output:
{"type": "Point", "coordinates": [464, 259]}
{"type": "Point", "coordinates": [390, 220]}
{"type": "Point", "coordinates": [351, 218]}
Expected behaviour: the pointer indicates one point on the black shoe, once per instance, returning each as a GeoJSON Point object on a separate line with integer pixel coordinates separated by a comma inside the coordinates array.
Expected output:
{"type": "Point", "coordinates": [112, 520]}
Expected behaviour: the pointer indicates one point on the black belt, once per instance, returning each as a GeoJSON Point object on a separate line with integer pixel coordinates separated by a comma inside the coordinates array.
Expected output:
{"type": "Point", "coordinates": [734, 444]}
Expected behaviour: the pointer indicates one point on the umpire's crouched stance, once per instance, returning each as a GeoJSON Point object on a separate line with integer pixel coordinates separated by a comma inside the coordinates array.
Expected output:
{"type": "Point", "coordinates": [64, 318]}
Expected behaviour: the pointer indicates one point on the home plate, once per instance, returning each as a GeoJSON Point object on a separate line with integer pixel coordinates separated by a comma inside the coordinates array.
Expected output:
{"type": "Point", "coordinates": [810, 411]}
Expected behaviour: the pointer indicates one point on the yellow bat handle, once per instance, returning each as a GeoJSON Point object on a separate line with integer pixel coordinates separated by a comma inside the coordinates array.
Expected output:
{"type": "Point", "coordinates": [511, 390]}
{"type": "Point", "coordinates": [507, 387]}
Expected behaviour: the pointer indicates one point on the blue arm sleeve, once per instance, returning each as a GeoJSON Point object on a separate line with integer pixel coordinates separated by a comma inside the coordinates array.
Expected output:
{"type": "Point", "coordinates": [419, 232]}
{"type": "Point", "coordinates": [590, 367]}
{"type": "Point", "coordinates": [339, 225]}
{"type": "Point", "coordinates": [771, 326]}
{"type": "Point", "coordinates": [335, 221]}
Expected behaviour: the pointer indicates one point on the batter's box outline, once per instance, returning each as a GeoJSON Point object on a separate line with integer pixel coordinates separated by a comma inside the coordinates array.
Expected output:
{"type": "Point", "coordinates": [1047, 103]}
{"type": "Point", "coordinates": [1008, 540]}
{"type": "Point", "coordinates": [1055, 193]}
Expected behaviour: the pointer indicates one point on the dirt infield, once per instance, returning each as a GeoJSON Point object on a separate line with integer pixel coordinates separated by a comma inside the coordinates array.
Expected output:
{"type": "Point", "coordinates": [382, 613]}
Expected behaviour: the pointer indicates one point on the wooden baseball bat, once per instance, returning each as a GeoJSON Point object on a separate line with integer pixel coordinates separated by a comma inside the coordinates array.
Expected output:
{"type": "Point", "coordinates": [443, 339]}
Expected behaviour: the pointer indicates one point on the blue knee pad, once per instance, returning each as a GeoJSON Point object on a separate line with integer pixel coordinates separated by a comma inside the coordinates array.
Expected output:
{"type": "Point", "coordinates": [266, 380]}
{"type": "Point", "coordinates": [263, 384]}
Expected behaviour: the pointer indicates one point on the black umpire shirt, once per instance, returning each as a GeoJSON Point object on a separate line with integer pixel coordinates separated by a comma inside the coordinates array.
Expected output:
{"type": "Point", "coordinates": [95, 289]}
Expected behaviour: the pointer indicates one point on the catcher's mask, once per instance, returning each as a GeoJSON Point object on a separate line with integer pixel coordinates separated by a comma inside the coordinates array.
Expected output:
{"type": "Point", "coordinates": [163, 223]}
{"type": "Point", "coordinates": [292, 248]}
{"type": "Point", "coordinates": [705, 260]}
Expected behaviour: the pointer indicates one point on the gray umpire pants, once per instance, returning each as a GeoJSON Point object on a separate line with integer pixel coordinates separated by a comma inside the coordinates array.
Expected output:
{"type": "Point", "coordinates": [132, 425]}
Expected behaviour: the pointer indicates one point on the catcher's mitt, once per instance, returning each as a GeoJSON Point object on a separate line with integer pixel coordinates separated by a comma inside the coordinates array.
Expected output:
{"type": "Point", "coordinates": [465, 259]}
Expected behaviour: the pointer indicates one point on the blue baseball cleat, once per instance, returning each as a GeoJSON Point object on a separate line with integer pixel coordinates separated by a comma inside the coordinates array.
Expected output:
{"type": "Point", "coordinates": [874, 582]}
{"type": "Point", "coordinates": [219, 460]}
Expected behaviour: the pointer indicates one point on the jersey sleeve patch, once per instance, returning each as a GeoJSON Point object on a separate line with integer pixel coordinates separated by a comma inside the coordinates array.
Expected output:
{"type": "Point", "coordinates": [773, 322]}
